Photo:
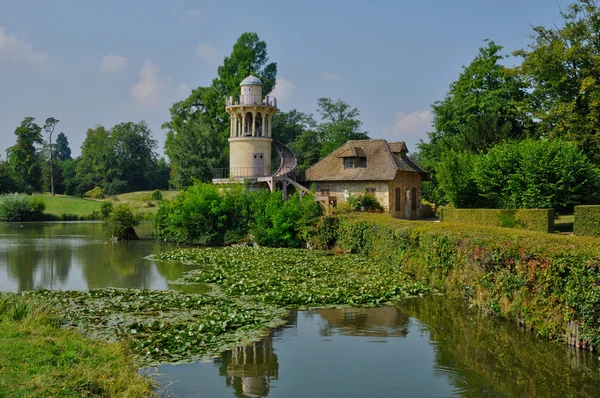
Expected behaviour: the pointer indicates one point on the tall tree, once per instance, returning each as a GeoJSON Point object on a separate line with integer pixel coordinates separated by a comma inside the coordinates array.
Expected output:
{"type": "Point", "coordinates": [288, 126]}
{"type": "Point", "coordinates": [191, 152]}
{"type": "Point", "coordinates": [63, 151]}
{"type": "Point", "coordinates": [134, 148]}
{"type": "Point", "coordinates": [562, 65]}
{"type": "Point", "coordinates": [6, 182]}
{"type": "Point", "coordinates": [205, 108]}
{"type": "Point", "coordinates": [49, 127]}
{"type": "Point", "coordinates": [97, 165]}
{"type": "Point", "coordinates": [339, 124]}
{"type": "Point", "coordinates": [24, 157]}
{"type": "Point", "coordinates": [487, 104]}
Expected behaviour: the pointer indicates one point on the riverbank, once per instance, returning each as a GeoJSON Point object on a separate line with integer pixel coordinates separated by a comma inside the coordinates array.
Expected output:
{"type": "Point", "coordinates": [546, 282]}
{"type": "Point", "coordinates": [41, 359]}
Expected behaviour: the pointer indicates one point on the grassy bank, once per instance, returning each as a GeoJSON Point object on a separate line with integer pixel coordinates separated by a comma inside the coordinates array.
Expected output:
{"type": "Point", "coordinates": [140, 202]}
{"type": "Point", "coordinates": [542, 281]}
{"type": "Point", "coordinates": [37, 358]}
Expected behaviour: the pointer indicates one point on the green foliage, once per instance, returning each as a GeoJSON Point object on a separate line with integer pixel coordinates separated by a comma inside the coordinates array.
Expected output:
{"type": "Point", "coordinates": [279, 223]}
{"type": "Point", "coordinates": [120, 225]}
{"type": "Point", "coordinates": [63, 151]}
{"type": "Point", "coordinates": [365, 201]}
{"type": "Point", "coordinates": [24, 158]}
{"type": "Point", "coordinates": [540, 280]}
{"type": "Point", "coordinates": [163, 326]}
{"type": "Point", "coordinates": [296, 278]}
{"type": "Point", "coordinates": [454, 173]}
{"type": "Point", "coordinates": [339, 124]}
{"type": "Point", "coordinates": [7, 185]}
{"type": "Point", "coordinates": [106, 210]}
{"type": "Point", "coordinates": [205, 216]}
{"type": "Point", "coordinates": [40, 358]}
{"type": "Point", "coordinates": [561, 65]}
{"type": "Point", "coordinates": [536, 174]}
{"type": "Point", "coordinates": [20, 207]}
{"type": "Point", "coordinates": [156, 195]}
{"type": "Point", "coordinates": [194, 148]}
{"type": "Point", "coordinates": [587, 221]}
{"type": "Point", "coordinates": [541, 220]}
{"type": "Point", "coordinates": [95, 193]}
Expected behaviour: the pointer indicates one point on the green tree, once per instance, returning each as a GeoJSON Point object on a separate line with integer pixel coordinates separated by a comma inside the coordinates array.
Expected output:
{"type": "Point", "coordinates": [537, 174]}
{"type": "Point", "coordinates": [97, 165]}
{"type": "Point", "coordinates": [63, 151]}
{"type": "Point", "coordinates": [563, 68]}
{"type": "Point", "coordinates": [192, 151]}
{"type": "Point", "coordinates": [49, 127]}
{"type": "Point", "coordinates": [487, 105]}
{"type": "Point", "coordinates": [24, 157]}
{"type": "Point", "coordinates": [339, 124]}
{"type": "Point", "coordinates": [456, 180]}
{"type": "Point", "coordinates": [6, 182]}
{"type": "Point", "coordinates": [307, 148]}
{"type": "Point", "coordinates": [288, 126]}
{"type": "Point", "coordinates": [134, 148]}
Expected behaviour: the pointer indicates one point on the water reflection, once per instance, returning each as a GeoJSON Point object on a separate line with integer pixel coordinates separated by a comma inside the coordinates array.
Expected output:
{"type": "Point", "coordinates": [427, 347]}
{"type": "Point", "coordinates": [76, 256]}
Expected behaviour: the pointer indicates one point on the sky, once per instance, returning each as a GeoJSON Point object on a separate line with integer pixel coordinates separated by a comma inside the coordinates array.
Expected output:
{"type": "Point", "coordinates": [90, 63]}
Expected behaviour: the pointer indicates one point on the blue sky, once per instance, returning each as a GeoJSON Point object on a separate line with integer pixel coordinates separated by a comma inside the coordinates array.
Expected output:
{"type": "Point", "coordinates": [104, 62]}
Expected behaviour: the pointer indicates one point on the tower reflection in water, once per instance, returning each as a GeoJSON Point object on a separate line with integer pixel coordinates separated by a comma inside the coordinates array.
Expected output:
{"type": "Point", "coordinates": [249, 370]}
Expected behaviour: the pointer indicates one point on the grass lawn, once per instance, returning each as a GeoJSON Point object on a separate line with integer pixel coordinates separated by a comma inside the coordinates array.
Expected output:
{"type": "Point", "coordinates": [564, 223]}
{"type": "Point", "coordinates": [140, 202]}
{"type": "Point", "coordinates": [61, 204]}
{"type": "Point", "coordinates": [41, 359]}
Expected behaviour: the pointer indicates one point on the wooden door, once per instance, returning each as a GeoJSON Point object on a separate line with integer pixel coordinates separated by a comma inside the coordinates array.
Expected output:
{"type": "Point", "coordinates": [258, 164]}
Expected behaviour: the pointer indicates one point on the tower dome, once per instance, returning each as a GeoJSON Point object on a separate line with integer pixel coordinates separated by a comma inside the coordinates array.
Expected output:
{"type": "Point", "coordinates": [251, 81]}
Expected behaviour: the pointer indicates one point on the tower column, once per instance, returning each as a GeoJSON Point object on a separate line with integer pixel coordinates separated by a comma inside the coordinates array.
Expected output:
{"type": "Point", "coordinates": [270, 124]}
{"type": "Point", "coordinates": [253, 124]}
{"type": "Point", "coordinates": [243, 124]}
{"type": "Point", "coordinates": [231, 122]}
{"type": "Point", "coordinates": [264, 125]}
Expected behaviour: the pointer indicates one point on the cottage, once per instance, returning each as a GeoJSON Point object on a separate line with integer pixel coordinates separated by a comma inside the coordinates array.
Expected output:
{"type": "Point", "coordinates": [375, 166]}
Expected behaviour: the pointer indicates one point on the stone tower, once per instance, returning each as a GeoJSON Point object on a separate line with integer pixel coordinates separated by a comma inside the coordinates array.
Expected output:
{"type": "Point", "coordinates": [250, 131]}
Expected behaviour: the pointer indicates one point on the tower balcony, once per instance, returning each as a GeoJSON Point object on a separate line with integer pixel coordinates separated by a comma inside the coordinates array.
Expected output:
{"type": "Point", "coordinates": [251, 100]}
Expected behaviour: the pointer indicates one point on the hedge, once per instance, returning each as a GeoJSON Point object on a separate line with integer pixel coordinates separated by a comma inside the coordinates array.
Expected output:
{"type": "Point", "coordinates": [587, 221]}
{"type": "Point", "coordinates": [541, 220]}
{"type": "Point", "coordinates": [542, 281]}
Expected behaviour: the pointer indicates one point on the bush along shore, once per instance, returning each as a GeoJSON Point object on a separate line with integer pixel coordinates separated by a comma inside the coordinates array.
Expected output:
{"type": "Point", "coordinates": [548, 283]}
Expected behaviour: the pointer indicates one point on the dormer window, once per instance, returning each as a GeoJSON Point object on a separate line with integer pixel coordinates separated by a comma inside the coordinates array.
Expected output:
{"type": "Point", "coordinates": [355, 162]}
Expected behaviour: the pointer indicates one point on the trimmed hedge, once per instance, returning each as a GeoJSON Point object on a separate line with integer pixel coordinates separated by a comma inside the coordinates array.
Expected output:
{"type": "Point", "coordinates": [542, 281]}
{"type": "Point", "coordinates": [587, 221]}
{"type": "Point", "coordinates": [541, 220]}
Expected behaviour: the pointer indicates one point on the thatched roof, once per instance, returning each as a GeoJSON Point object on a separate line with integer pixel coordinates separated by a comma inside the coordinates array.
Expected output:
{"type": "Point", "coordinates": [384, 160]}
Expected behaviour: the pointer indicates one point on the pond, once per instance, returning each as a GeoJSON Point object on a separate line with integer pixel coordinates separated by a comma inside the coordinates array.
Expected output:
{"type": "Point", "coordinates": [419, 347]}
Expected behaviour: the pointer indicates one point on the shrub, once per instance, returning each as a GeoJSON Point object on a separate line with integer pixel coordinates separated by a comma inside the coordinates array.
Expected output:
{"type": "Point", "coordinates": [454, 173]}
{"type": "Point", "coordinates": [540, 280]}
{"type": "Point", "coordinates": [21, 207]}
{"type": "Point", "coordinates": [541, 220]}
{"type": "Point", "coordinates": [120, 225]}
{"type": "Point", "coordinates": [587, 221]}
{"type": "Point", "coordinates": [94, 193]}
{"type": "Point", "coordinates": [156, 195]}
{"type": "Point", "coordinates": [364, 200]}
{"type": "Point", "coordinates": [106, 209]}
{"type": "Point", "coordinates": [205, 216]}
{"type": "Point", "coordinates": [538, 174]}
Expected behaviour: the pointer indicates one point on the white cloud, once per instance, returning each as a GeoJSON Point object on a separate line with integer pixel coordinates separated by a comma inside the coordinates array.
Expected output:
{"type": "Point", "coordinates": [206, 51]}
{"type": "Point", "coordinates": [147, 91]}
{"type": "Point", "coordinates": [13, 50]}
{"type": "Point", "coordinates": [409, 127]}
{"type": "Point", "coordinates": [283, 90]}
{"type": "Point", "coordinates": [331, 76]}
{"type": "Point", "coordinates": [112, 63]}
{"type": "Point", "coordinates": [192, 14]}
